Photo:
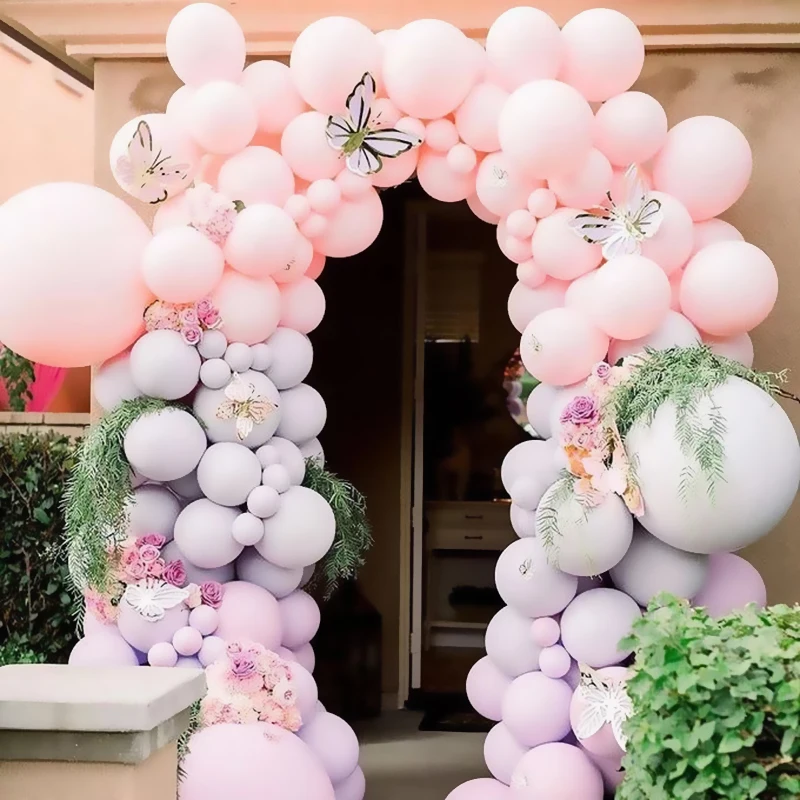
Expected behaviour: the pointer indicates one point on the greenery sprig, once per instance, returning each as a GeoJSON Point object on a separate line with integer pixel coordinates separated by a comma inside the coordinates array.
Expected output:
{"type": "Point", "coordinates": [17, 374]}
{"type": "Point", "coordinates": [353, 532]}
{"type": "Point", "coordinates": [185, 737]}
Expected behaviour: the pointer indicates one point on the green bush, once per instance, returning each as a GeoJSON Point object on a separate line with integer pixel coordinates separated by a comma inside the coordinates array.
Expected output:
{"type": "Point", "coordinates": [35, 600]}
{"type": "Point", "coordinates": [717, 705]}
{"type": "Point", "coordinates": [12, 652]}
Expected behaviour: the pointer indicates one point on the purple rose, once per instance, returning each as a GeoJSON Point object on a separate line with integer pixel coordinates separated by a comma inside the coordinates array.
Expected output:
{"type": "Point", "coordinates": [242, 666]}
{"type": "Point", "coordinates": [189, 318]}
{"type": "Point", "coordinates": [602, 370]}
{"type": "Point", "coordinates": [192, 335]}
{"type": "Point", "coordinates": [153, 539]}
{"type": "Point", "coordinates": [212, 592]}
{"type": "Point", "coordinates": [175, 573]}
{"type": "Point", "coordinates": [580, 410]}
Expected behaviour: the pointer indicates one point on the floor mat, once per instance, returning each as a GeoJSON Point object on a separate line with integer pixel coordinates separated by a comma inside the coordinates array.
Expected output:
{"type": "Point", "coordinates": [453, 714]}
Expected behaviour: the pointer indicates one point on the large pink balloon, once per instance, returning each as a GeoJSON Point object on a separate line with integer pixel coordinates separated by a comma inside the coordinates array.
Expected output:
{"type": "Point", "coordinates": [524, 303]}
{"type": "Point", "coordinates": [557, 770]}
{"type": "Point", "coordinates": [545, 128]}
{"type": "Point", "coordinates": [329, 58]}
{"type": "Point", "coordinates": [672, 245]}
{"type": "Point", "coordinates": [249, 308]}
{"type": "Point", "coordinates": [630, 297]}
{"type": "Point", "coordinates": [72, 289]}
{"type": "Point", "coordinates": [302, 305]}
{"type": "Point", "coordinates": [251, 613]}
{"type": "Point", "coordinates": [603, 53]}
{"type": "Point", "coordinates": [536, 709]}
{"type": "Point", "coordinates": [257, 175]}
{"type": "Point", "coordinates": [396, 170]}
{"type": "Point", "coordinates": [481, 789]}
{"type": "Point", "coordinates": [220, 117]}
{"type": "Point", "coordinates": [561, 346]}
{"type": "Point", "coordinates": [524, 45]}
{"type": "Point", "coordinates": [729, 288]}
{"type": "Point", "coordinates": [712, 231]}
{"type": "Point", "coordinates": [477, 117]}
{"type": "Point", "coordinates": [275, 97]}
{"type": "Point", "coordinates": [305, 147]}
{"type": "Point", "coordinates": [706, 163]}
{"type": "Point", "coordinates": [440, 181]}
{"type": "Point", "coordinates": [263, 240]}
{"type": "Point", "coordinates": [501, 185]}
{"type": "Point", "coordinates": [559, 252]}
{"type": "Point", "coordinates": [352, 228]}
{"type": "Point", "coordinates": [731, 584]}
{"type": "Point", "coordinates": [205, 43]}
{"type": "Point", "coordinates": [429, 68]}
{"type": "Point", "coordinates": [588, 185]}
{"type": "Point", "coordinates": [630, 128]}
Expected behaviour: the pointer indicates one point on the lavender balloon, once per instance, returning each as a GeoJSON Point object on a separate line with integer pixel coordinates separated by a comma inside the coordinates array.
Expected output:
{"type": "Point", "coordinates": [198, 575]}
{"type": "Point", "coordinates": [250, 613]}
{"type": "Point", "coordinates": [203, 531]}
{"type": "Point", "coordinates": [152, 509]}
{"type": "Point", "coordinates": [502, 752]}
{"type": "Point", "coordinates": [732, 583]}
{"type": "Point", "coordinates": [300, 618]}
{"type": "Point", "coordinates": [481, 789]}
{"type": "Point", "coordinates": [103, 650]}
{"type": "Point", "coordinates": [142, 633]}
{"type": "Point", "coordinates": [163, 365]}
{"type": "Point", "coordinates": [304, 413]}
{"type": "Point", "coordinates": [353, 787]}
{"type": "Point", "coordinates": [332, 740]}
{"type": "Point", "coordinates": [280, 582]}
{"type": "Point", "coordinates": [292, 354]}
{"type": "Point", "coordinates": [557, 770]}
{"type": "Point", "coordinates": [536, 709]}
{"type": "Point", "coordinates": [486, 687]}
{"type": "Point", "coordinates": [228, 472]}
{"type": "Point", "coordinates": [509, 643]}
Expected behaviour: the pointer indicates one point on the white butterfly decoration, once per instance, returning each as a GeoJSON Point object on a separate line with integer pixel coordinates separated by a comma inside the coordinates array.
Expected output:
{"type": "Point", "coordinates": [245, 405]}
{"type": "Point", "coordinates": [363, 145]}
{"type": "Point", "coordinates": [621, 229]}
{"type": "Point", "coordinates": [606, 702]}
{"type": "Point", "coordinates": [152, 598]}
{"type": "Point", "coordinates": [146, 172]}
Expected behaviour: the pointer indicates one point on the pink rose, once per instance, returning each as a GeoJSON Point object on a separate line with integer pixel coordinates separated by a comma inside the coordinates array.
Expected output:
{"type": "Point", "coordinates": [135, 571]}
{"type": "Point", "coordinates": [292, 720]}
{"type": "Point", "coordinates": [175, 573]}
{"type": "Point", "coordinates": [130, 555]}
{"type": "Point", "coordinates": [203, 308]}
{"type": "Point", "coordinates": [192, 335]}
{"type": "Point", "coordinates": [189, 318]}
{"type": "Point", "coordinates": [155, 569]}
{"type": "Point", "coordinates": [148, 553]}
{"type": "Point", "coordinates": [153, 539]}
{"type": "Point", "coordinates": [602, 371]}
{"type": "Point", "coordinates": [580, 410]}
{"type": "Point", "coordinates": [212, 593]}
{"type": "Point", "coordinates": [212, 319]}
{"type": "Point", "coordinates": [284, 694]}
{"type": "Point", "coordinates": [195, 598]}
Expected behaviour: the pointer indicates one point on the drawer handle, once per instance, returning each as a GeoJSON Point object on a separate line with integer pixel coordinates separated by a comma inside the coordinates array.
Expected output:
{"type": "Point", "coordinates": [473, 516]}
{"type": "Point", "coordinates": [474, 538]}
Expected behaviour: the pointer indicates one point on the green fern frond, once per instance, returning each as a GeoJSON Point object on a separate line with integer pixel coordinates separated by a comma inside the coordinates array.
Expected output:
{"type": "Point", "coordinates": [549, 512]}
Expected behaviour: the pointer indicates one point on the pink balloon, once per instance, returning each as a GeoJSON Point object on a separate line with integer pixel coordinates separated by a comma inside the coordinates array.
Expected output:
{"type": "Point", "coordinates": [172, 213]}
{"type": "Point", "coordinates": [273, 93]}
{"type": "Point", "coordinates": [672, 245]}
{"type": "Point", "coordinates": [257, 175]}
{"type": "Point", "coordinates": [480, 210]}
{"type": "Point", "coordinates": [545, 631]}
{"type": "Point", "coordinates": [385, 111]}
{"type": "Point", "coordinates": [501, 185]}
{"type": "Point", "coordinates": [103, 650]}
{"type": "Point", "coordinates": [324, 196]}
{"type": "Point", "coordinates": [561, 346]}
{"type": "Point", "coordinates": [298, 208]}
{"type": "Point", "coordinates": [587, 187]}
{"type": "Point", "coordinates": [732, 584]}
{"type": "Point", "coordinates": [462, 159]}
{"type": "Point", "coordinates": [300, 618]}
{"type": "Point", "coordinates": [441, 135]}
{"type": "Point", "coordinates": [177, 103]}
{"type": "Point", "coordinates": [524, 303]}
{"type": "Point", "coordinates": [73, 292]}
{"type": "Point", "coordinates": [737, 348]}
{"type": "Point", "coordinates": [675, 290]}
{"type": "Point", "coordinates": [263, 240]}
{"type": "Point", "coordinates": [559, 251]}
{"type": "Point", "coordinates": [545, 128]}
{"type": "Point", "coordinates": [352, 228]}
{"type": "Point", "coordinates": [251, 613]}
{"type": "Point", "coordinates": [329, 58]}
{"type": "Point", "coordinates": [603, 743]}
{"type": "Point", "coordinates": [440, 181]}
{"type": "Point", "coordinates": [516, 250]}
{"type": "Point", "coordinates": [187, 641]}
{"type": "Point", "coordinates": [481, 789]}
{"type": "Point", "coordinates": [579, 293]}
{"type": "Point", "coordinates": [316, 267]}
{"type": "Point", "coordinates": [205, 43]}
{"type": "Point", "coordinates": [298, 264]}
{"type": "Point", "coordinates": [351, 185]}
{"type": "Point", "coordinates": [396, 170]}
{"type": "Point", "coordinates": [603, 55]}
{"type": "Point", "coordinates": [204, 619]}
{"type": "Point", "coordinates": [502, 752]}
{"type": "Point", "coordinates": [249, 308]}
{"type": "Point", "coordinates": [220, 117]}
{"type": "Point", "coordinates": [524, 45]}
{"type": "Point", "coordinates": [706, 163]}
{"type": "Point", "coordinates": [305, 657]}
{"type": "Point", "coordinates": [486, 687]}
{"type": "Point", "coordinates": [630, 128]}
{"type": "Point", "coordinates": [162, 654]}
{"type": "Point", "coordinates": [630, 297]}
{"type": "Point", "coordinates": [305, 147]}
{"type": "Point", "coordinates": [529, 273]}
{"type": "Point", "coordinates": [555, 661]}
{"type": "Point", "coordinates": [478, 115]}
{"type": "Point", "coordinates": [536, 709]}
{"type": "Point", "coordinates": [557, 770]}
{"type": "Point", "coordinates": [521, 224]}
{"type": "Point", "coordinates": [332, 740]}
{"type": "Point", "coordinates": [314, 226]}
{"type": "Point", "coordinates": [164, 264]}
{"type": "Point", "coordinates": [729, 288]}
{"type": "Point", "coordinates": [542, 203]}
{"type": "Point", "coordinates": [712, 231]}
{"type": "Point", "coordinates": [302, 305]}
{"type": "Point", "coordinates": [674, 331]}
{"type": "Point", "coordinates": [432, 86]}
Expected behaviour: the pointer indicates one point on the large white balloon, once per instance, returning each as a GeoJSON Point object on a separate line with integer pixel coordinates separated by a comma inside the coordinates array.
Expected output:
{"type": "Point", "coordinates": [228, 472]}
{"type": "Point", "coordinates": [164, 366]}
{"type": "Point", "coordinates": [760, 471]}
{"type": "Point", "coordinates": [303, 413]}
{"type": "Point", "coordinates": [113, 383]}
{"type": "Point", "coordinates": [152, 509]}
{"type": "Point", "coordinates": [203, 532]}
{"type": "Point", "coordinates": [292, 354]}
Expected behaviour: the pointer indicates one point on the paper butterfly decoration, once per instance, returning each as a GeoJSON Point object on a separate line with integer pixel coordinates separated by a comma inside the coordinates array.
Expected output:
{"type": "Point", "coordinates": [245, 405]}
{"type": "Point", "coordinates": [621, 229]}
{"type": "Point", "coordinates": [364, 146]}
{"type": "Point", "coordinates": [146, 172]}
{"type": "Point", "coordinates": [606, 702]}
{"type": "Point", "coordinates": [152, 598]}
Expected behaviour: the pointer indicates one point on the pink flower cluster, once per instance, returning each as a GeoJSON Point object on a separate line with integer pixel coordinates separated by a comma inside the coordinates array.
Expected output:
{"type": "Point", "coordinates": [211, 213]}
{"type": "Point", "coordinates": [191, 320]}
{"type": "Point", "coordinates": [141, 558]}
{"type": "Point", "coordinates": [250, 684]}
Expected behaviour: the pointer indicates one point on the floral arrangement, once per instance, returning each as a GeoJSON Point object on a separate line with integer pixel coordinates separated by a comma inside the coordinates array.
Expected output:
{"type": "Point", "coordinates": [191, 320]}
{"type": "Point", "coordinates": [250, 684]}
{"type": "Point", "coordinates": [211, 213]}
{"type": "Point", "coordinates": [149, 583]}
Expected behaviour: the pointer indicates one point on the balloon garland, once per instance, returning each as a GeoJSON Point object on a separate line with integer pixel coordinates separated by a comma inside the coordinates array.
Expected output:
{"type": "Point", "coordinates": [191, 524]}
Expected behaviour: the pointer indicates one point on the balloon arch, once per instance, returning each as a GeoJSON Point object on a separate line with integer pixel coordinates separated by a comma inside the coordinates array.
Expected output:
{"type": "Point", "coordinates": [193, 523]}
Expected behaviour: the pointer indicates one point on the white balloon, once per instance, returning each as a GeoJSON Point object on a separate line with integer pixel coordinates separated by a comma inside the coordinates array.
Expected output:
{"type": "Point", "coordinates": [203, 532]}
{"type": "Point", "coordinates": [760, 472]}
{"type": "Point", "coordinates": [164, 366]}
{"type": "Point", "coordinates": [228, 472]}
{"type": "Point", "coordinates": [279, 582]}
{"type": "Point", "coordinates": [523, 522]}
{"type": "Point", "coordinates": [540, 405]}
{"type": "Point", "coordinates": [303, 413]}
{"type": "Point", "coordinates": [532, 460]}
{"type": "Point", "coordinates": [152, 509]}
{"type": "Point", "coordinates": [290, 458]}
{"type": "Point", "coordinates": [292, 355]}
{"type": "Point", "coordinates": [113, 383]}
{"type": "Point", "coordinates": [737, 348]}
{"type": "Point", "coordinates": [187, 487]}
{"type": "Point", "coordinates": [312, 451]}
{"type": "Point", "coordinates": [674, 331]}
{"type": "Point", "coordinates": [509, 643]}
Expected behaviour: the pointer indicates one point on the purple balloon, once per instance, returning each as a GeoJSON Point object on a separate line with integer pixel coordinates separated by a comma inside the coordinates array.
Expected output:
{"type": "Point", "coordinates": [280, 582]}
{"type": "Point", "coordinates": [142, 633]}
{"type": "Point", "coordinates": [731, 584]}
{"type": "Point", "coordinates": [172, 552]}
{"type": "Point", "coordinates": [307, 693]}
{"type": "Point", "coordinates": [555, 661]}
{"type": "Point", "coordinates": [523, 522]}
{"type": "Point", "coordinates": [486, 687]}
{"type": "Point", "coordinates": [251, 613]}
{"type": "Point", "coordinates": [306, 657]}
{"type": "Point", "coordinates": [353, 787]}
{"type": "Point", "coordinates": [213, 649]}
{"type": "Point", "coordinates": [481, 789]}
{"type": "Point", "coordinates": [558, 770]}
{"type": "Point", "coordinates": [332, 740]}
{"type": "Point", "coordinates": [162, 654]}
{"type": "Point", "coordinates": [300, 618]}
{"type": "Point", "coordinates": [204, 532]}
{"type": "Point", "coordinates": [536, 709]}
{"type": "Point", "coordinates": [502, 752]}
{"type": "Point", "coordinates": [545, 631]}
{"type": "Point", "coordinates": [103, 650]}
{"type": "Point", "coordinates": [509, 643]}
{"type": "Point", "coordinates": [189, 662]}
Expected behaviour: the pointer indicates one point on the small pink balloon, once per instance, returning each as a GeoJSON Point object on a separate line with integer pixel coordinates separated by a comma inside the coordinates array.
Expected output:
{"type": "Point", "coordinates": [558, 770]}
{"type": "Point", "coordinates": [213, 649]}
{"type": "Point", "coordinates": [103, 650]}
{"type": "Point", "coordinates": [177, 103]}
{"type": "Point", "coordinates": [302, 305]}
{"type": "Point", "coordinates": [205, 43]}
{"type": "Point", "coordinates": [611, 770]}
{"type": "Point", "coordinates": [250, 308]}
{"type": "Point", "coordinates": [545, 128]}
{"type": "Point", "coordinates": [352, 228]}
{"type": "Point", "coordinates": [603, 743]}
{"type": "Point", "coordinates": [165, 259]}
{"type": "Point", "coordinates": [440, 181]}
{"type": "Point", "coordinates": [603, 53]}
{"type": "Point", "coordinates": [619, 183]}
{"type": "Point", "coordinates": [298, 208]}
{"type": "Point", "coordinates": [314, 226]}
{"type": "Point", "coordinates": [386, 112]}
{"type": "Point", "coordinates": [706, 163]}
{"type": "Point", "coordinates": [172, 213]}
{"type": "Point", "coordinates": [300, 618]}
{"type": "Point", "coordinates": [561, 346]}
{"type": "Point", "coordinates": [273, 93]}
{"type": "Point", "coordinates": [672, 245]}
{"type": "Point", "coordinates": [396, 170]}
{"type": "Point", "coordinates": [630, 128]}
{"type": "Point", "coordinates": [480, 210]}
{"type": "Point", "coordinates": [324, 196]}
{"type": "Point", "coordinates": [257, 175]}
{"type": "Point", "coordinates": [516, 250]}
{"type": "Point", "coordinates": [412, 125]}
{"type": "Point", "coordinates": [542, 202]}
{"type": "Point", "coordinates": [316, 267]}
{"type": "Point", "coordinates": [329, 58]}
{"type": "Point", "coordinates": [501, 185]}
{"type": "Point", "coordinates": [462, 159]}
{"type": "Point", "coordinates": [525, 303]}
{"type": "Point", "coordinates": [162, 654]}
{"type": "Point", "coordinates": [477, 117]}
{"type": "Point", "coordinates": [298, 264]}
{"type": "Point", "coordinates": [305, 147]}
{"type": "Point", "coordinates": [502, 752]}
{"type": "Point", "coordinates": [263, 241]}
{"type": "Point", "coordinates": [524, 45]}
{"type": "Point", "coordinates": [521, 224]}
{"type": "Point", "coordinates": [675, 289]}
{"type": "Point", "coordinates": [587, 186]}
{"type": "Point", "coordinates": [441, 135]}
{"type": "Point", "coordinates": [737, 348]}
{"type": "Point", "coordinates": [712, 231]}
{"type": "Point", "coordinates": [251, 613]}
{"type": "Point", "coordinates": [545, 631]}
{"type": "Point", "coordinates": [481, 789]}
{"type": "Point", "coordinates": [486, 686]}
{"type": "Point", "coordinates": [220, 117]}
{"type": "Point", "coordinates": [204, 619]}
{"type": "Point", "coordinates": [555, 661]}
{"type": "Point", "coordinates": [187, 641]}
{"type": "Point", "coordinates": [531, 274]}
{"type": "Point", "coordinates": [351, 185]}
{"type": "Point", "coordinates": [559, 251]}
{"type": "Point", "coordinates": [732, 584]}
{"type": "Point", "coordinates": [729, 288]}
{"type": "Point", "coordinates": [630, 297]}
